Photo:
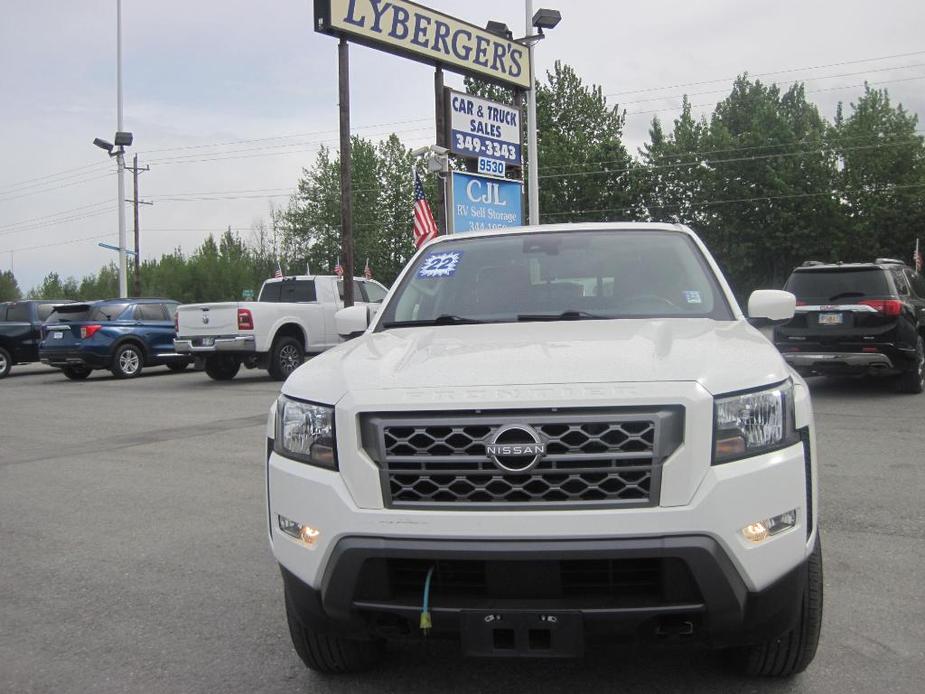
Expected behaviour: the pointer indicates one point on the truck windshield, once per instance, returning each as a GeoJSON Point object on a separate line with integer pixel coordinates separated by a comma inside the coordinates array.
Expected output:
{"type": "Point", "coordinates": [557, 276]}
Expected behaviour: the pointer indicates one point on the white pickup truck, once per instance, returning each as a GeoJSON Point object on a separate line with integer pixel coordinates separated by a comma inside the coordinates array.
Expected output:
{"type": "Point", "coordinates": [545, 436]}
{"type": "Point", "coordinates": [292, 317]}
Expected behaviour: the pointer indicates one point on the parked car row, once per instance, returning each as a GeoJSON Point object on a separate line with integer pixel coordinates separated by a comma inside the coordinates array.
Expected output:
{"type": "Point", "coordinates": [291, 318]}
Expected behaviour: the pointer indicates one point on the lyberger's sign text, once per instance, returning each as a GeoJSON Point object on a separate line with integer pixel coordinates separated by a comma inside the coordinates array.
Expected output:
{"type": "Point", "coordinates": [423, 34]}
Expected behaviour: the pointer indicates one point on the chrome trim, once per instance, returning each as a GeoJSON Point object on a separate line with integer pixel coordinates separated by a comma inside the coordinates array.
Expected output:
{"type": "Point", "coordinates": [868, 359]}
{"type": "Point", "coordinates": [835, 308]}
{"type": "Point", "coordinates": [238, 343]}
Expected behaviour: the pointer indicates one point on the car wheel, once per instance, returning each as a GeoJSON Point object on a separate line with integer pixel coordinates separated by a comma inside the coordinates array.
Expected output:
{"type": "Point", "coordinates": [222, 367]}
{"type": "Point", "coordinates": [6, 362]}
{"type": "Point", "coordinates": [286, 356]}
{"type": "Point", "coordinates": [329, 654]}
{"type": "Point", "coordinates": [792, 652]}
{"type": "Point", "coordinates": [177, 365]}
{"type": "Point", "coordinates": [77, 373]}
{"type": "Point", "coordinates": [128, 361]}
{"type": "Point", "coordinates": [913, 380]}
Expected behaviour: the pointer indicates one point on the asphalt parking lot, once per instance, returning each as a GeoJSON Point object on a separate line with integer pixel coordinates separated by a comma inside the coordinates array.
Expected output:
{"type": "Point", "coordinates": [133, 555]}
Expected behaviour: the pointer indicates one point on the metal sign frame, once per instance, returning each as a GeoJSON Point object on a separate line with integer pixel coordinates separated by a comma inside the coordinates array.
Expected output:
{"type": "Point", "coordinates": [430, 37]}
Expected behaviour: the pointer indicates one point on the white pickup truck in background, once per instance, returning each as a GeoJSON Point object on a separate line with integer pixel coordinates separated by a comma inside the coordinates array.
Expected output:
{"type": "Point", "coordinates": [292, 317]}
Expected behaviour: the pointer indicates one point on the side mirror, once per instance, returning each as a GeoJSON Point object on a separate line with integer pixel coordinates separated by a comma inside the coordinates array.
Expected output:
{"type": "Point", "coordinates": [352, 322]}
{"type": "Point", "coordinates": [770, 307]}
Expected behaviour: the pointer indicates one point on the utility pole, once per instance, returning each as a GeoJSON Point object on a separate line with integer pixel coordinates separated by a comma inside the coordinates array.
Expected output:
{"type": "Point", "coordinates": [120, 157]}
{"type": "Point", "coordinates": [136, 288]}
{"type": "Point", "coordinates": [346, 178]}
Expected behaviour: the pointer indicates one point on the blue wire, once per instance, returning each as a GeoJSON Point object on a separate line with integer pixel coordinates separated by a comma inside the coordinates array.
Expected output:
{"type": "Point", "coordinates": [430, 573]}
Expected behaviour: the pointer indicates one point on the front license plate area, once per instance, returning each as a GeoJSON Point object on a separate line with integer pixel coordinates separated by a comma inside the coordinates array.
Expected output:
{"type": "Point", "coordinates": [831, 319]}
{"type": "Point", "coordinates": [523, 634]}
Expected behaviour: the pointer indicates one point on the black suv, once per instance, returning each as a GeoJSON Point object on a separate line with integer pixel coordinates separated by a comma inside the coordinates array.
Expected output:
{"type": "Point", "coordinates": [857, 318]}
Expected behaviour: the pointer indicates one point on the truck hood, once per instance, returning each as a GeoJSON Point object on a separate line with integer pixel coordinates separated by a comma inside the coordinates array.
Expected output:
{"type": "Point", "coordinates": [720, 356]}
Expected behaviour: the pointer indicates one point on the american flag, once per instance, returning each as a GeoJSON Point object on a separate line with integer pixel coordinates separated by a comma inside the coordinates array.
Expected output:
{"type": "Point", "coordinates": [279, 269]}
{"type": "Point", "coordinates": [367, 271]}
{"type": "Point", "coordinates": [917, 257]}
{"type": "Point", "coordinates": [425, 226]}
{"type": "Point", "coordinates": [339, 269]}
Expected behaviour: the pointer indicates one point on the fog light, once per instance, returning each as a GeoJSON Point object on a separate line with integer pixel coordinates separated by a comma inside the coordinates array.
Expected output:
{"type": "Point", "coordinates": [759, 531]}
{"type": "Point", "coordinates": [305, 534]}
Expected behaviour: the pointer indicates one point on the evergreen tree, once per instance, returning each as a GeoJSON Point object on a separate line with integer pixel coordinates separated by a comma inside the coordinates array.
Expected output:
{"type": "Point", "coordinates": [9, 287]}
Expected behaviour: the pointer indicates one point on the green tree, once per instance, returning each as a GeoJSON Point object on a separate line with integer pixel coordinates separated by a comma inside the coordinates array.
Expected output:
{"type": "Point", "coordinates": [882, 177]}
{"type": "Point", "coordinates": [9, 287]}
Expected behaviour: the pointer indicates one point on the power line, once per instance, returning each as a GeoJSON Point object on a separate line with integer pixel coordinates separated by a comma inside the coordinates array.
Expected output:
{"type": "Point", "coordinates": [51, 216]}
{"type": "Point", "coordinates": [758, 198]}
{"type": "Point", "coordinates": [708, 162]}
{"type": "Point", "coordinates": [71, 173]}
{"type": "Point", "coordinates": [67, 220]}
{"type": "Point", "coordinates": [57, 187]}
{"type": "Point", "coordinates": [808, 91]}
{"type": "Point", "coordinates": [811, 79]}
{"type": "Point", "coordinates": [767, 74]}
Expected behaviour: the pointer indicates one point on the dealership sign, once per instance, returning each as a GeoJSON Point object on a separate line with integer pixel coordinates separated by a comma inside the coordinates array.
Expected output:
{"type": "Point", "coordinates": [482, 128]}
{"type": "Point", "coordinates": [481, 202]}
{"type": "Point", "coordinates": [426, 35]}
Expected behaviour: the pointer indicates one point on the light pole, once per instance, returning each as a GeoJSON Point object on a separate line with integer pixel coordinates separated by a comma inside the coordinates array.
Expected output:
{"type": "Point", "coordinates": [543, 19]}
{"type": "Point", "coordinates": [116, 149]}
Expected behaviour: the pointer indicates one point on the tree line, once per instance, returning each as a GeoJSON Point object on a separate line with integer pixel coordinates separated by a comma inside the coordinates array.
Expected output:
{"type": "Point", "coordinates": [765, 179]}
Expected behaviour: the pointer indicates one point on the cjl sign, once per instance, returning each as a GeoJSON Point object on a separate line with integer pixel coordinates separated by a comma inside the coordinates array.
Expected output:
{"type": "Point", "coordinates": [480, 202]}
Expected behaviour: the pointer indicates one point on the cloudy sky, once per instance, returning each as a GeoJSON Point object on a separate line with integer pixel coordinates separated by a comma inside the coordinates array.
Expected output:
{"type": "Point", "coordinates": [229, 99]}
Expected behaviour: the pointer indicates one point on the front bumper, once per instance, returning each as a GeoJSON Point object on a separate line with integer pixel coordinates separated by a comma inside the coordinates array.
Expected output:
{"type": "Point", "coordinates": [702, 595]}
{"type": "Point", "coordinates": [199, 345]}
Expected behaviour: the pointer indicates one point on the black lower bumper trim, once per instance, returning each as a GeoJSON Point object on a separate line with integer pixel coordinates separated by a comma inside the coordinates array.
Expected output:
{"type": "Point", "coordinates": [723, 612]}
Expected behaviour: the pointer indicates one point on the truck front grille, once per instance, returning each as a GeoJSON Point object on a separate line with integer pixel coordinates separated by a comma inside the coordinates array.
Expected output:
{"type": "Point", "coordinates": [592, 457]}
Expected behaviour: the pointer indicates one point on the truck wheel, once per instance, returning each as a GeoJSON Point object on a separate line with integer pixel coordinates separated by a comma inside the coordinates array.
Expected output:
{"type": "Point", "coordinates": [328, 654]}
{"type": "Point", "coordinates": [792, 652]}
{"type": "Point", "coordinates": [286, 356]}
{"type": "Point", "coordinates": [222, 367]}
{"type": "Point", "coordinates": [128, 361]}
{"type": "Point", "coordinates": [6, 362]}
{"type": "Point", "coordinates": [77, 373]}
{"type": "Point", "coordinates": [913, 381]}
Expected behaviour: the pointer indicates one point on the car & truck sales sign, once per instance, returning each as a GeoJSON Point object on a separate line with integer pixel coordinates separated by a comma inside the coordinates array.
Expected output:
{"type": "Point", "coordinates": [481, 128]}
{"type": "Point", "coordinates": [423, 34]}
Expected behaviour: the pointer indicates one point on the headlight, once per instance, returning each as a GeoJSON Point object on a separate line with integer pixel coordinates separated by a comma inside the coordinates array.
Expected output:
{"type": "Point", "coordinates": [305, 432]}
{"type": "Point", "coordinates": [747, 424]}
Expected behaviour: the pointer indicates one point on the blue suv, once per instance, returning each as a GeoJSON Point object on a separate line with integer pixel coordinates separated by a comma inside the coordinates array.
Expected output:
{"type": "Point", "coordinates": [122, 335]}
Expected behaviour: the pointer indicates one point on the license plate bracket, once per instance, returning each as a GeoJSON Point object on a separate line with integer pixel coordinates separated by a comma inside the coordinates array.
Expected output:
{"type": "Point", "coordinates": [505, 634]}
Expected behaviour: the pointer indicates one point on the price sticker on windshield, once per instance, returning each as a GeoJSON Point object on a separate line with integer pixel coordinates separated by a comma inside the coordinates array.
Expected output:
{"type": "Point", "coordinates": [442, 264]}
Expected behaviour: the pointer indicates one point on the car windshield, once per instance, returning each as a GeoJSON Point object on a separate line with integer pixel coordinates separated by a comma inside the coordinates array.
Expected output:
{"type": "Point", "coordinates": [842, 285]}
{"type": "Point", "coordinates": [573, 275]}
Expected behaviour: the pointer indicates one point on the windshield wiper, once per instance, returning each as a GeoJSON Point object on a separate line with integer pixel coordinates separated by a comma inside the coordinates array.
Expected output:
{"type": "Point", "coordinates": [571, 314]}
{"type": "Point", "coordinates": [844, 295]}
{"type": "Point", "coordinates": [443, 319]}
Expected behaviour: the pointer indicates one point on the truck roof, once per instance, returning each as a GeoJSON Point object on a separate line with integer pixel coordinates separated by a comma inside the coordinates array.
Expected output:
{"type": "Point", "coordinates": [575, 226]}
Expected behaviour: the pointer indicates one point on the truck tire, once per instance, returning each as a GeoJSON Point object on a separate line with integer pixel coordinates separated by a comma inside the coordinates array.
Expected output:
{"type": "Point", "coordinates": [77, 373]}
{"type": "Point", "coordinates": [329, 654]}
{"type": "Point", "coordinates": [222, 367]}
{"type": "Point", "coordinates": [128, 361]}
{"type": "Point", "coordinates": [913, 380]}
{"type": "Point", "coordinates": [792, 652]}
{"type": "Point", "coordinates": [287, 355]}
{"type": "Point", "coordinates": [6, 363]}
